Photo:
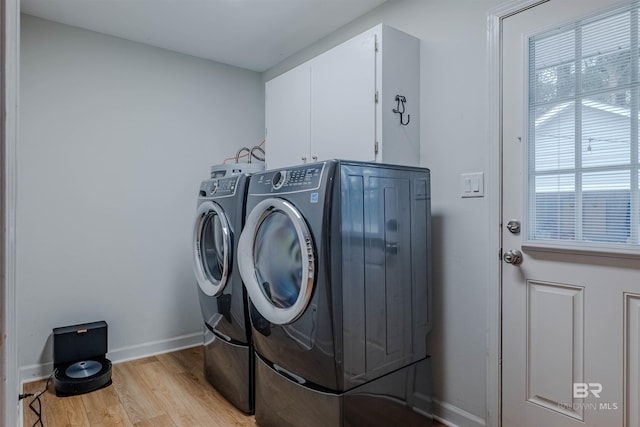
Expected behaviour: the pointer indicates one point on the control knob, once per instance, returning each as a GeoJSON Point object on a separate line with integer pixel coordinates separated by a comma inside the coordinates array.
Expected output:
{"type": "Point", "coordinates": [214, 186]}
{"type": "Point", "coordinates": [278, 179]}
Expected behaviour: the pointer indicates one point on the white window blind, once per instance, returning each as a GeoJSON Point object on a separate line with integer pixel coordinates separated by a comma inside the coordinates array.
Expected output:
{"type": "Point", "coordinates": [583, 150]}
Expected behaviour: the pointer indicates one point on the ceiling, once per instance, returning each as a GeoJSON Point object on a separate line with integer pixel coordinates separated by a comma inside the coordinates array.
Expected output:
{"type": "Point", "coordinates": [252, 34]}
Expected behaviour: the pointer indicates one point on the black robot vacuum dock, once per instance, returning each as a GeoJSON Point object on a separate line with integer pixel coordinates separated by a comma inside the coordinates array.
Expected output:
{"type": "Point", "coordinates": [79, 358]}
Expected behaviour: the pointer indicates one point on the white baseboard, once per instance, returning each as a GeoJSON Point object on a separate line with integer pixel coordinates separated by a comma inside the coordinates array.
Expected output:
{"type": "Point", "coordinates": [119, 355]}
{"type": "Point", "coordinates": [452, 416]}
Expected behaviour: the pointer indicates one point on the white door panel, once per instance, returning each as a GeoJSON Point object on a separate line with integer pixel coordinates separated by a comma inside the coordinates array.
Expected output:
{"type": "Point", "coordinates": [570, 319]}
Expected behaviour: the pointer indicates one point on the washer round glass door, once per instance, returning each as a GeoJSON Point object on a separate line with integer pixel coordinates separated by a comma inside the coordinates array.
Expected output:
{"type": "Point", "coordinates": [277, 261]}
{"type": "Point", "coordinates": [211, 248]}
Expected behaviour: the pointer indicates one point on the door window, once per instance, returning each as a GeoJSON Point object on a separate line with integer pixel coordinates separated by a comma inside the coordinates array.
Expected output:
{"type": "Point", "coordinates": [212, 247]}
{"type": "Point", "coordinates": [278, 260]}
{"type": "Point", "coordinates": [583, 133]}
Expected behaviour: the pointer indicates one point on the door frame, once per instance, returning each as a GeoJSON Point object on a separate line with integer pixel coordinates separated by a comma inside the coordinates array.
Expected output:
{"type": "Point", "coordinates": [9, 87]}
{"type": "Point", "coordinates": [494, 289]}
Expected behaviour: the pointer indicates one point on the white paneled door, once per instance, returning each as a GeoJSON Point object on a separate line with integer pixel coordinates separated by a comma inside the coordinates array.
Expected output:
{"type": "Point", "coordinates": [571, 207]}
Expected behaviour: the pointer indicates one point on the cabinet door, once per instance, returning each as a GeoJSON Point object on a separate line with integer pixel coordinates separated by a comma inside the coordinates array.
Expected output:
{"type": "Point", "coordinates": [287, 118]}
{"type": "Point", "coordinates": [343, 88]}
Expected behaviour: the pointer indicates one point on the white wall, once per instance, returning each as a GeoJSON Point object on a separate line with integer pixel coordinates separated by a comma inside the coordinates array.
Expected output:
{"type": "Point", "coordinates": [454, 129]}
{"type": "Point", "coordinates": [115, 138]}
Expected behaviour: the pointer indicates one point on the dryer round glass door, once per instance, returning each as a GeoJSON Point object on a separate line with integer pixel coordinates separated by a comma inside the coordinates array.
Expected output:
{"type": "Point", "coordinates": [276, 260]}
{"type": "Point", "coordinates": [211, 248]}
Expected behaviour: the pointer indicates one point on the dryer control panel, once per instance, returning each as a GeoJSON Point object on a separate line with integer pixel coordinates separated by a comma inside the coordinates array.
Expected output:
{"type": "Point", "coordinates": [219, 187]}
{"type": "Point", "coordinates": [300, 178]}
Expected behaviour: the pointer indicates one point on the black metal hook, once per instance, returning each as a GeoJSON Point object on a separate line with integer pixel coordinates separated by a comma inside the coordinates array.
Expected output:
{"type": "Point", "coordinates": [401, 99]}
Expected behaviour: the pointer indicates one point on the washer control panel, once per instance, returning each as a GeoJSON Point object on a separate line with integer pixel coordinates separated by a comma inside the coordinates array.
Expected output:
{"type": "Point", "coordinates": [219, 187]}
{"type": "Point", "coordinates": [298, 178]}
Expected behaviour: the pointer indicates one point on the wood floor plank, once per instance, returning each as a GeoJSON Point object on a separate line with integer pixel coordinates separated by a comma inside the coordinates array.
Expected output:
{"type": "Point", "coordinates": [161, 421]}
{"type": "Point", "coordinates": [99, 399]}
{"type": "Point", "coordinates": [208, 397]}
{"type": "Point", "coordinates": [66, 412]}
{"type": "Point", "coordinates": [69, 412]}
{"type": "Point", "coordinates": [189, 360]}
{"type": "Point", "coordinates": [142, 361]}
{"type": "Point", "coordinates": [110, 416]}
{"type": "Point", "coordinates": [185, 411]}
{"type": "Point", "coordinates": [100, 405]}
{"type": "Point", "coordinates": [138, 400]}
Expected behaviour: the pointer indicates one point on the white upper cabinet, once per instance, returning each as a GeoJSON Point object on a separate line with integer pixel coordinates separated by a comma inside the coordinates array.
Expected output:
{"type": "Point", "coordinates": [343, 107]}
{"type": "Point", "coordinates": [340, 104]}
{"type": "Point", "coordinates": [287, 112]}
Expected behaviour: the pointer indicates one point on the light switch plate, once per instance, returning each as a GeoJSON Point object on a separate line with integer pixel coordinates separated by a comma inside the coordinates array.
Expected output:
{"type": "Point", "coordinates": [472, 184]}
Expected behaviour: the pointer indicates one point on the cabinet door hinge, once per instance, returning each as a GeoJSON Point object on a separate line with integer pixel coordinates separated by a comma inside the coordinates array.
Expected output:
{"type": "Point", "coordinates": [377, 97]}
{"type": "Point", "coordinates": [375, 147]}
{"type": "Point", "coordinates": [375, 44]}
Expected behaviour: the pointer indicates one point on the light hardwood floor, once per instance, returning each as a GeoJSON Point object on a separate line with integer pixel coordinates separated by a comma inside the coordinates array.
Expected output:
{"type": "Point", "coordinates": [168, 390]}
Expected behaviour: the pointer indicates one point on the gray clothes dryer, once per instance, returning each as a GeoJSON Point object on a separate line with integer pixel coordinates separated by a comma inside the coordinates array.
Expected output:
{"type": "Point", "coordinates": [335, 257]}
{"type": "Point", "coordinates": [229, 363]}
